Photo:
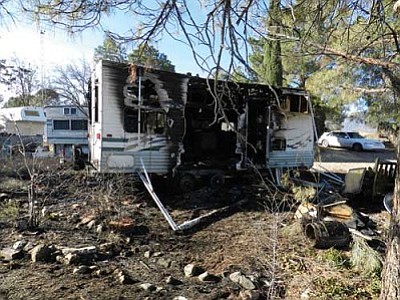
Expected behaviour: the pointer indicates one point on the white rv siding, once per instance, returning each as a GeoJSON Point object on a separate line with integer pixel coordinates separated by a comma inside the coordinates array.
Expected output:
{"type": "Point", "coordinates": [24, 121]}
{"type": "Point", "coordinates": [299, 138]}
{"type": "Point", "coordinates": [112, 148]}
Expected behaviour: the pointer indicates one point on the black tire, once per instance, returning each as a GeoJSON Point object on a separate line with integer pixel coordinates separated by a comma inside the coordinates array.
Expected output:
{"type": "Point", "coordinates": [217, 181]}
{"type": "Point", "coordinates": [186, 183]}
{"type": "Point", "coordinates": [357, 147]}
{"type": "Point", "coordinates": [325, 143]}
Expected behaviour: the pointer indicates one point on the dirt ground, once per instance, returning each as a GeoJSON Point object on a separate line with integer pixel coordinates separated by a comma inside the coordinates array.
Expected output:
{"type": "Point", "coordinates": [136, 255]}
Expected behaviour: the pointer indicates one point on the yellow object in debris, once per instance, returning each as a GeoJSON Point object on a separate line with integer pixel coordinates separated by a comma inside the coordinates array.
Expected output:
{"type": "Point", "coordinates": [340, 211]}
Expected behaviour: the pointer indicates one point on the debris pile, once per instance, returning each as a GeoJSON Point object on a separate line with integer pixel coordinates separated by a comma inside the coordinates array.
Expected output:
{"type": "Point", "coordinates": [327, 210]}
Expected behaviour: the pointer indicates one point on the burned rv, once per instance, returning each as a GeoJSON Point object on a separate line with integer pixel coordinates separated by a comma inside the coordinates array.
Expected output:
{"type": "Point", "coordinates": [187, 127]}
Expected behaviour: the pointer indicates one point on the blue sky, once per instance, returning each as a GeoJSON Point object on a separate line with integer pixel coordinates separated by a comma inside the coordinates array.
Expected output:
{"type": "Point", "coordinates": [46, 47]}
{"type": "Point", "coordinates": [54, 47]}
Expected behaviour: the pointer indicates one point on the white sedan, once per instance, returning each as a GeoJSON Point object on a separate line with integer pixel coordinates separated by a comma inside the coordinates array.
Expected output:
{"type": "Point", "coordinates": [351, 140]}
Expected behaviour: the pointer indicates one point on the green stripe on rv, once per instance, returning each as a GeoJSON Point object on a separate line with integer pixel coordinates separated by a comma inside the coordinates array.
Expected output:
{"type": "Point", "coordinates": [110, 149]}
{"type": "Point", "coordinates": [115, 140]}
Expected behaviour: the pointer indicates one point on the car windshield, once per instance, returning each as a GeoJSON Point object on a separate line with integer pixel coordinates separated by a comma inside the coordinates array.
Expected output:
{"type": "Point", "coordinates": [355, 135]}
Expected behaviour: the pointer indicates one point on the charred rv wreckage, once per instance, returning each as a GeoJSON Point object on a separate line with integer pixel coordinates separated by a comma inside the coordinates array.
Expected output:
{"type": "Point", "coordinates": [182, 125]}
{"type": "Point", "coordinates": [188, 128]}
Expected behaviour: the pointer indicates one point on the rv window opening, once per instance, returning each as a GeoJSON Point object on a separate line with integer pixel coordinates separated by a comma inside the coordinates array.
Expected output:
{"type": "Point", "coordinates": [278, 144]}
{"type": "Point", "coordinates": [61, 124]}
{"type": "Point", "coordinates": [131, 120]}
{"type": "Point", "coordinates": [96, 103]}
{"type": "Point", "coordinates": [79, 125]}
{"type": "Point", "coordinates": [31, 113]}
{"type": "Point", "coordinates": [155, 122]}
{"type": "Point", "coordinates": [298, 104]}
{"type": "Point", "coordinates": [73, 111]}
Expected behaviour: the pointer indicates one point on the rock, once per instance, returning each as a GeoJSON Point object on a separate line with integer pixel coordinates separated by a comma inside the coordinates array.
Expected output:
{"type": "Point", "coordinates": [73, 256]}
{"type": "Point", "coordinates": [191, 270]}
{"type": "Point", "coordinates": [28, 247]}
{"type": "Point", "coordinates": [249, 295]}
{"type": "Point", "coordinates": [180, 298]}
{"type": "Point", "coordinates": [235, 277]}
{"type": "Point", "coordinates": [148, 253]}
{"type": "Point", "coordinates": [82, 270]}
{"type": "Point", "coordinates": [206, 277]}
{"type": "Point", "coordinates": [19, 245]}
{"type": "Point", "coordinates": [43, 253]}
{"type": "Point", "coordinates": [164, 262]}
{"type": "Point", "coordinates": [10, 254]}
{"type": "Point", "coordinates": [123, 277]}
{"type": "Point", "coordinates": [173, 281]}
{"type": "Point", "coordinates": [158, 254]}
{"type": "Point", "coordinates": [242, 280]}
{"type": "Point", "coordinates": [3, 196]}
{"type": "Point", "coordinates": [111, 248]}
{"type": "Point", "coordinates": [148, 287]}
{"type": "Point", "coordinates": [83, 250]}
{"type": "Point", "coordinates": [71, 259]}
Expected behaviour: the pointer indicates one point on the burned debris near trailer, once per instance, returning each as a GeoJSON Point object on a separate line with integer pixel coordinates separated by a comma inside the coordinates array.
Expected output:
{"type": "Point", "coordinates": [331, 210]}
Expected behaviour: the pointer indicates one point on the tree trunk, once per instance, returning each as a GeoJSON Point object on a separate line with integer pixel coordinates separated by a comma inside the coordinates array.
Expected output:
{"type": "Point", "coordinates": [390, 287]}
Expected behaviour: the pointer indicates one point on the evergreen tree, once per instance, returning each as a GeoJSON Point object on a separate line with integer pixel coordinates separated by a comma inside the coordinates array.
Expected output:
{"type": "Point", "coordinates": [110, 50]}
{"type": "Point", "coordinates": [272, 63]}
{"type": "Point", "coordinates": [148, 56]}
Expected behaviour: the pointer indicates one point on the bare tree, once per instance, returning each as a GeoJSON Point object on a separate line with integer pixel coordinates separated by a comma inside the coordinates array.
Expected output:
{"type": "Point", "coordinates": [20, 78]}
{"type": "Point", "coordinates": [71, 82]}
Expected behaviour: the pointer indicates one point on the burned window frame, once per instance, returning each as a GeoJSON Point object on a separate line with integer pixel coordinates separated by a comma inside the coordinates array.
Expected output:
{"type": "Point", "coordinates": [160, 121]}
{"type": "Point", "coordinates": [132, 114]}
{"type": "Point", "coordinates": [295, 103]}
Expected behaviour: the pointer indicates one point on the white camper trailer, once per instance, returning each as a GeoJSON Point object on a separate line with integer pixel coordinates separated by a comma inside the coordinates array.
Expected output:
{"type": "Point", "coordinates": [21, 126]}
{"type": "Point", "coordinates": [184, 126]}
{"type": "Point", "coordinates": [66, 127]}
{"type": "Point", "coordinates": [24, 120]}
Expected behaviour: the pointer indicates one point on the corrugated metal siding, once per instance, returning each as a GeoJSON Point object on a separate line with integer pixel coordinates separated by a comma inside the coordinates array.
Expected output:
{"type": "Point", "coordinates": [112, 100]}
{"type": "Point", "coordinates": [25, 128]}
{"type": "Point", "coordinates": [282, 159]}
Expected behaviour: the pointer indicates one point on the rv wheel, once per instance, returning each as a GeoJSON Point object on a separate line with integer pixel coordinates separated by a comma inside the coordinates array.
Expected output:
{"type": "Point", "coordinates": [217, 181]}
{"type": "Point", "coordinates": [187, 183]}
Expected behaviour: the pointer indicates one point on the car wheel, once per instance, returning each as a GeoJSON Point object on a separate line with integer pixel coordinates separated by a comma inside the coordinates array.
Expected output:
{"type": "Point", "coordinates": [325, 143]}
{"type": "Point", "coordinates": [187, 183]}
{"type": "Point", "coordinates": [357, 147]}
